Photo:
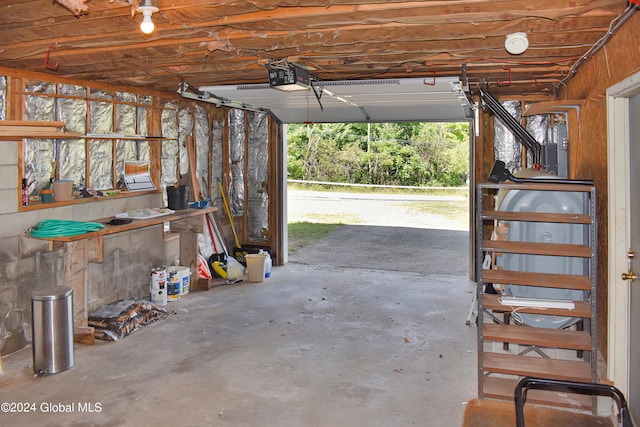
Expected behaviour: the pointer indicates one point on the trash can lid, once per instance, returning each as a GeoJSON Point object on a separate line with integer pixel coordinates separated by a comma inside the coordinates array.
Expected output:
{"type": "Point", "coordinates": [51, 293]}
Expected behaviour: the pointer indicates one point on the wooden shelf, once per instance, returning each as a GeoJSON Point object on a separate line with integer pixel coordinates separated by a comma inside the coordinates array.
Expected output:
{"type": "Point", "coordinates": [541, 337]}
{"type": "Point", "coordinates": [58, 135]}
{"type": "Point", "coordinates": [503, 389]}
{"type": "Point", "coordinates": [186, 214]}
{"type": "Point", "coordinates": [82, 249]}
{"type": "Point", "coordinates": [498, 369]}
{"type": "Point", "coordinates": [582, 310]}
{"type": "Point", "coordinates": [542, 186]}
{"type": "Point", "coordinates": [569, 370]}
{"type": "Point", "coordinates": [33, 123]}
{"type": "Point", "coordinates": [125, 137]}
{"type": "Point", "coordinates": [18, 129]}
{"type": "Point", "coordinates": [36, 205]}
{"type": "Point", "coordinates": [537, 217]}
{"type": "Point", "coordinates": [545, 280]}
{"type": "Point", "coordinates": [535, 248]}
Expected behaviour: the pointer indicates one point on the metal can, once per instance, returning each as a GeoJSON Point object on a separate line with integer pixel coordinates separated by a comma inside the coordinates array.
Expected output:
{"type": "Point", "coordinates": [158, 286]}
{"type": "Point", "coordinates": [174, 285]}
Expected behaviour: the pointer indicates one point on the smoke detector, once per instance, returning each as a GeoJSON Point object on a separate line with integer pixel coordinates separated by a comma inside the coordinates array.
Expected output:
{"type": "Point", "coordinates": [516, 43]}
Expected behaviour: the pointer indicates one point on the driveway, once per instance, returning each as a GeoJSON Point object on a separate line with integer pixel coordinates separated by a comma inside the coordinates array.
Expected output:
{"type": "Point", "coordinates": [384, 232]}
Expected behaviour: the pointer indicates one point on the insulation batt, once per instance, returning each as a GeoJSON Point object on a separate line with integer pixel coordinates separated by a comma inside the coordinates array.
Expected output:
{"type": "Point", "coordinates": [75, 6]}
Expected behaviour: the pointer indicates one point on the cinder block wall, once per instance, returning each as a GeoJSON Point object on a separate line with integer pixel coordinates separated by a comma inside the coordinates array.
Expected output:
{"type": "Point", "coordinates": [21, 271]}
{"type": "Point", "coordinates": [125, 272]}
{"type": "Point", "coordinates": [27, 264]}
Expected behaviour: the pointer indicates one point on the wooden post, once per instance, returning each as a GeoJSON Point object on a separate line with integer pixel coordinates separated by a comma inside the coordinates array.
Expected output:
{"type": "Point", "coordinates": [76, 260]}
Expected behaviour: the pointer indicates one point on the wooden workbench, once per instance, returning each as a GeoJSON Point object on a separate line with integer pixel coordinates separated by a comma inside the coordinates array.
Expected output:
{"type": "Point", "coordinates": [82, 249]}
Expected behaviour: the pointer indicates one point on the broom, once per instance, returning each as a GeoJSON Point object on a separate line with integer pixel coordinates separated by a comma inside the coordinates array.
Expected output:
{"type": "Point", "coordinates": [223, 265]}
{"type": "Point", "coordinates": [238, 251]}
{"type": "Point", "coordinates": [229, 269]}
{"type": "Point", "coordinates": [216, 236]}
{"type": "Point", "coordinates": [232, 270]}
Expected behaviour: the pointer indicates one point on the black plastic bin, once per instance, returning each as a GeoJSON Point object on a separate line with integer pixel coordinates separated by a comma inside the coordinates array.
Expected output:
{"type": "Point", "coordinates": [177, 197]}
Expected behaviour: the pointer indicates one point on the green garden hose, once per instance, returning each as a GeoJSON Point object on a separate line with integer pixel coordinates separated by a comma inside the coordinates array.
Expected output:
{"type": "Point", "coordinates": [49, 228]}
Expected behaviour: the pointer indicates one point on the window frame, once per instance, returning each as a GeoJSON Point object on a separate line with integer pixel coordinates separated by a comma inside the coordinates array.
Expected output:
{"type": "Point", "coordinates": [154, 103]}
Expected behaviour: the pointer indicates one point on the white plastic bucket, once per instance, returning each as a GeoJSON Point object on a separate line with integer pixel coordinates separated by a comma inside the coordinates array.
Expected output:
{"type": "Point", "coordinates": [184, 273]}
{"type": "Point", "coordinates": [256, 266]}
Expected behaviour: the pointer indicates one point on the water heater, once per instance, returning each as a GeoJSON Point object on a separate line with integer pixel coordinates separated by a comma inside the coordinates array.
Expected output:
{"type": "Point", "coordinates": [543, 232]}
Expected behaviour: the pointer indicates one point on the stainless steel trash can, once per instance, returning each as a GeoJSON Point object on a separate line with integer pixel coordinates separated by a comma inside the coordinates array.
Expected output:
{"type": "Point", "coordinates": [52, 329]}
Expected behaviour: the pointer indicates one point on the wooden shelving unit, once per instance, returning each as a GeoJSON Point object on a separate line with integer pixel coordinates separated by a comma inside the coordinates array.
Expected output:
{"type": "Point", "coordinates": [500, 362]}
{"type": "Point", "coordinates": [126, 137]}
{"type": "Point", "coordinates": [17, 129]}
{"type": "Point", "coordinates": [82, 249]}
{"type": "Point", "coordinates": [14, 130]}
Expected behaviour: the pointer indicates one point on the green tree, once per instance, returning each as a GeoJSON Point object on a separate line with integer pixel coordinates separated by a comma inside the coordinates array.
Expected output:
{"type": "Point", "coordinates": [380, 153]}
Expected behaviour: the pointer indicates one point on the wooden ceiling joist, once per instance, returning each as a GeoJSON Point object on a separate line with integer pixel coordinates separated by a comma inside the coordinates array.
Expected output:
{"type": "Point", "coordinates": [224, 42]}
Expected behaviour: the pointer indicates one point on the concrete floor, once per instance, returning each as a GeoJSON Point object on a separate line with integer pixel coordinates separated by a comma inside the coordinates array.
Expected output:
{"type": "Point", "coordinates": [328, 340]}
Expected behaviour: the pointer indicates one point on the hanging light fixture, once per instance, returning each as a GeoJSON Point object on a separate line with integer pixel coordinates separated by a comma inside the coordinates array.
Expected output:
{"type": "Point", "coordinates": [147, 8]}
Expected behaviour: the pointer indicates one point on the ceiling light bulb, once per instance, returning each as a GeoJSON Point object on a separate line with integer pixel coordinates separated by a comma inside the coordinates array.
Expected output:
{"type": "Point", "coordinates": [147, 8]}
{"type": "Point", "coordinates": [516, 43]}
{"type": "Point", "coordinates": [146, 26]}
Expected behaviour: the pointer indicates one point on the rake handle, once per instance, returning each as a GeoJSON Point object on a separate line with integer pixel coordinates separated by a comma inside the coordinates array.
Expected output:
{"type": "Point", "coordinates": [225, 202]}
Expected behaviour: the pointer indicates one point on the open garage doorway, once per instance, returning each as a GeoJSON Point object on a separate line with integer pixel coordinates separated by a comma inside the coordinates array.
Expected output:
{"type": "Point", "coordinates": [409, 208]}
{"type": "Point", "coordinates": [387, 278]}
{"type": "Point", "coordinates": [398, 232]}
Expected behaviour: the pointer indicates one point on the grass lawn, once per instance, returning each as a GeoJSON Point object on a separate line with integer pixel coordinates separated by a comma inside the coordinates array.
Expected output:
{"type": "Point", "coordinates": [304, 233]}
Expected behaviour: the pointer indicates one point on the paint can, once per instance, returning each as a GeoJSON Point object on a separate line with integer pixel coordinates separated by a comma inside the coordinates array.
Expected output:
{"type": "Point", "coordinates": [158, 286]}
{"type": "Point", "coordinates": [174, 284]}
{"type": "Point", "coordinates": [185, 279]}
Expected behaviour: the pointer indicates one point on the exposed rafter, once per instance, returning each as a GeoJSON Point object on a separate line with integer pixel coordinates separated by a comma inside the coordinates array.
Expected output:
{"type": "Point", "coordinates": [227, 42]}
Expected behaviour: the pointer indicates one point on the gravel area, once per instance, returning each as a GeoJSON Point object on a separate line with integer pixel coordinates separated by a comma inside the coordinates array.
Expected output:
{"type": "Point", "coordinates": [393, 210]}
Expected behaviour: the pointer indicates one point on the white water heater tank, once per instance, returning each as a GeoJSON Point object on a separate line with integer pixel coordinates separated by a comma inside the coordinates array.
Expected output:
{"type": "Point", "coordinates": [543, 232]}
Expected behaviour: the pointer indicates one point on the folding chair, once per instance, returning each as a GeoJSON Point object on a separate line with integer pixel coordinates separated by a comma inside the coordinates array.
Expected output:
{"type": "Point", "coordinates": [592, 389]}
